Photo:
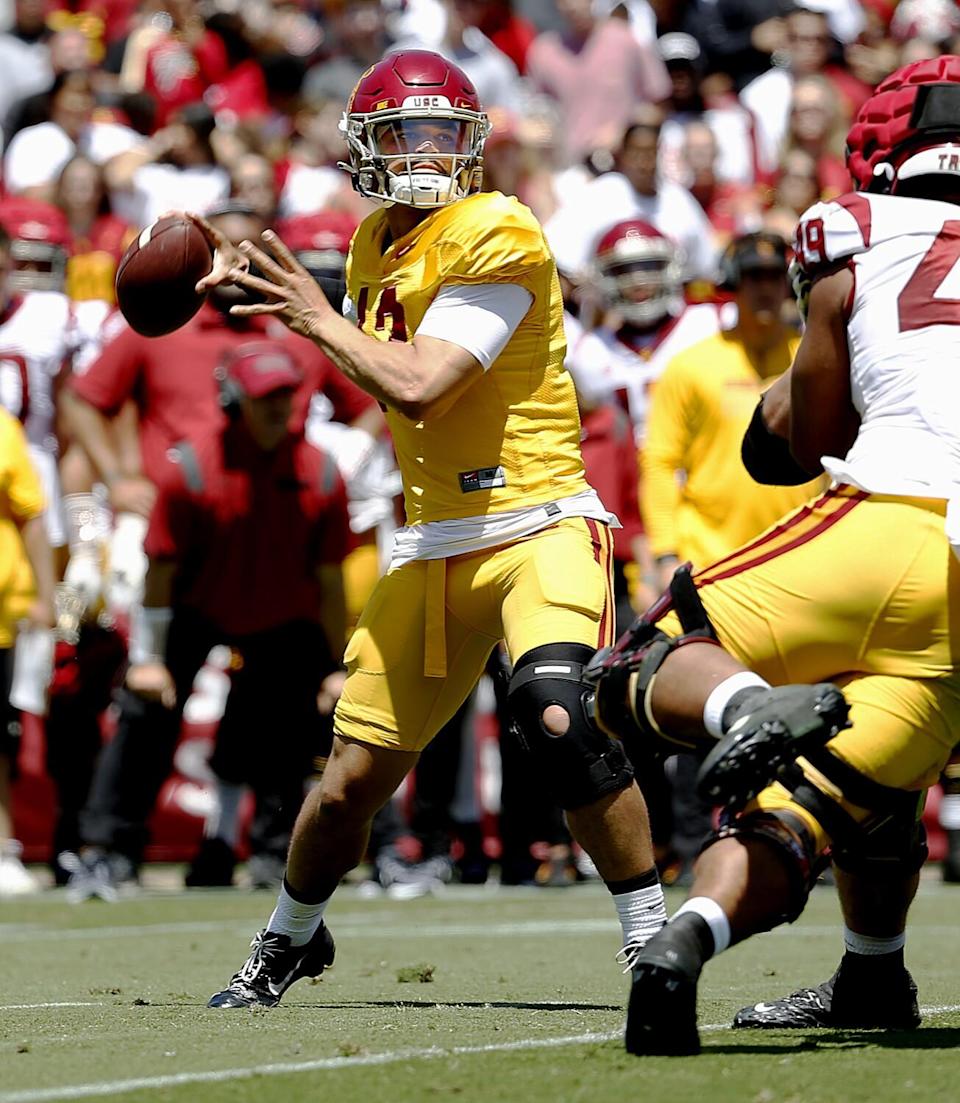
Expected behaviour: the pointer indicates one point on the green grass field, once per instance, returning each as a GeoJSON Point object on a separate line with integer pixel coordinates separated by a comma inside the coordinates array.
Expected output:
{"type": "Point", "coordinates": [515, 996]}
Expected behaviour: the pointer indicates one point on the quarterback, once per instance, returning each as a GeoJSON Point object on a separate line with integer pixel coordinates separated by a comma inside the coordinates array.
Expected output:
{"type": "Point", "coordinates": [871, 398]}
{"type": "Point", "coordinates": [454, 324]}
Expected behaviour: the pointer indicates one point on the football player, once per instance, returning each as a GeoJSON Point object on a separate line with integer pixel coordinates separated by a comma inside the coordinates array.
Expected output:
{"type": "Point", "coordinates": [743, 667]}
{"type": "Point", "coordinates": [457, 329]}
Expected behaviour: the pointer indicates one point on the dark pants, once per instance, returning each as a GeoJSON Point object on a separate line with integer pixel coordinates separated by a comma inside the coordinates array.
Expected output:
{"type": "Point", "coordinates": [268, 738]}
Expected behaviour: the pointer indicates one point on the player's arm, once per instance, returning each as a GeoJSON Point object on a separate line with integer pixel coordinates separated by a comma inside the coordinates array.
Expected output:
{"type": "Point", "coordinates": [823, 420]}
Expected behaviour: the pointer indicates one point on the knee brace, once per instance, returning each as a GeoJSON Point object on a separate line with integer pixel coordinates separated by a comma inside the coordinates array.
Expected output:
{"type": "Point", "coordinates": [621, 703]}
{"type": "Point", "coordinates": [890, 842]}
{"type": "Point", "coordinates": [790, 838]}
{"type": "Point", "coordinates": [582, 765]}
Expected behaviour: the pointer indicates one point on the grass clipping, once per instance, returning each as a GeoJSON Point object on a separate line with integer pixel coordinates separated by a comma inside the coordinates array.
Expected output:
{"type": "Point", "coordinates": [416, 974]}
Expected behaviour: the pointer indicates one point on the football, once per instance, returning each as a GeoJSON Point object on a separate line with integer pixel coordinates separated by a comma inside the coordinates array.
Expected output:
{"type": "Point", "coordinates": [157, 275]}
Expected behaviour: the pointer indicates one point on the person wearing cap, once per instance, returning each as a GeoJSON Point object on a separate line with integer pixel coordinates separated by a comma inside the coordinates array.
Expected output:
{"type": "Point", "coordinates": [244, 548]}
{"type": "Point", "coordinates": [698, 500]}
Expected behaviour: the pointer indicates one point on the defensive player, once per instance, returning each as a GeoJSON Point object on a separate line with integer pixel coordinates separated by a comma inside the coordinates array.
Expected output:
{"type": "Point", "coordinates": [457, 331]}
{"type": "Point", "coordinates": [870, 398]}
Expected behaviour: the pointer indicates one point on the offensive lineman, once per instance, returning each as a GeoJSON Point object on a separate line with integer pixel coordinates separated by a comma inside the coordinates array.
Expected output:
{"type": "Point", "coordinates": [872, 398]}
{"type": "Point", "coordinates": [458, 333]}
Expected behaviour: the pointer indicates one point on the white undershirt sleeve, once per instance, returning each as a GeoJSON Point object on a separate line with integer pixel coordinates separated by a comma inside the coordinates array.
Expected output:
{"type": "Point", "coordinates": [479, 318]}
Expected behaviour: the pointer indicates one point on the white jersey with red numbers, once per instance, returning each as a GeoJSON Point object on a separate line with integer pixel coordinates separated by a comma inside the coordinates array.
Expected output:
{"type": "Point", "coordinates": [904, 339]}
{"type": "Point", "coordinates": [605, 368]}
{"type": "Point", "coordinates": [40, 332]}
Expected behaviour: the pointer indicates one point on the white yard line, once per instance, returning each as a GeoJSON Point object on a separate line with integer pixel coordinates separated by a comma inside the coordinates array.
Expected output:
{"type": "Point", "coordinates": [42, 1006]}
{"type": "Point", "coordinates": [327, 1064]}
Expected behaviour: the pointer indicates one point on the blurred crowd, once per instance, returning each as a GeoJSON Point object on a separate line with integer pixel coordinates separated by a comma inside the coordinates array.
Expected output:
{"type": "Point", "coordinates": [668, 147]}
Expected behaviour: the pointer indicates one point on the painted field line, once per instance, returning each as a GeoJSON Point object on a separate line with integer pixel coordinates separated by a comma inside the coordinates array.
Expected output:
{"type": "Point", "coordinates": [42, 1006]}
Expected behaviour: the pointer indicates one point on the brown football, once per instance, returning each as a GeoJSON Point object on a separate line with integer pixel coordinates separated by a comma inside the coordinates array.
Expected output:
{"type": "Point", "coordinates": [157, 275]}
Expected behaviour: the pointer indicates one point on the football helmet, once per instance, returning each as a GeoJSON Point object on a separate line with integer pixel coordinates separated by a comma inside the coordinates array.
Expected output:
{"type": "Point", "coordinates": [639, 272]}
{"type": "Point", "coordinates": [415, 131]}
{"type": "Point", "coordinates": [39, 244]}
{"type": "Point", "coordinates": [909, 127]}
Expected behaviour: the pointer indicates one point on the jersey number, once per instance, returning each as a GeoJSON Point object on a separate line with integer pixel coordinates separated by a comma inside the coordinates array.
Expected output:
{"type": "Point", "coordinates": [388, 304]}
{"type": "Point", "coordinates": [916, 305]}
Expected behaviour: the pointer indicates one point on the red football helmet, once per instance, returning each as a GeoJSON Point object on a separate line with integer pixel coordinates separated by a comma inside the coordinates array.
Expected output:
{"type": "Point", "coordinates": [40, 242]}
{"type": "Point", "coordinates": [639, 272]}
{"type": "Point", "coordinates": [909, 127]}
{"type": "Point", "coordinates": [415, 131]}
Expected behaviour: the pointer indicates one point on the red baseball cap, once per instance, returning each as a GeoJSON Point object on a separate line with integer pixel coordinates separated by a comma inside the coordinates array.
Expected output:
{"type": "Point", "coordinates": [261, 367]}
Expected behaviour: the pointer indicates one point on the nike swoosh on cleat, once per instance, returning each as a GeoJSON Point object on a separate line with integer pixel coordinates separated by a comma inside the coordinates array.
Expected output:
{"type": "Point", "coordinates": [762, 1007]}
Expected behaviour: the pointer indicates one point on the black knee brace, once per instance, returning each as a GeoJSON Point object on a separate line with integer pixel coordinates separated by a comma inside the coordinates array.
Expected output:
{"type": "Point", "coordinates": [789, 836]}
{"type": "Point", "coordinates": [621, 704]}
{"type": "Point", "coordinates": [582, 765]}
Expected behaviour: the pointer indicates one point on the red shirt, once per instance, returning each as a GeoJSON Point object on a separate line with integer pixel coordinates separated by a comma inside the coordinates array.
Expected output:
{"type": "Point", "coordinates": [610, 459]}
{"type": "Point", "coordinates": [248, 529]}
{"type": "Point", "coordinates": [171, 379]}
{"type": "Point", "coordinates": [176, 75]}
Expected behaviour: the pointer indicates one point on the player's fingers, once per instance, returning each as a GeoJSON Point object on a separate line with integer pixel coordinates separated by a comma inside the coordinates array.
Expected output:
{"type": "Point", "coordinates": [263, 261]}
{"type": "Point", "coordinates": [209, 231]}
{"type": "Point", "coordinates": [259, 308]}
{"type": "Point", "coordinates": [282, 253]}
{"type": "Point", "coordinates": [254, 283]}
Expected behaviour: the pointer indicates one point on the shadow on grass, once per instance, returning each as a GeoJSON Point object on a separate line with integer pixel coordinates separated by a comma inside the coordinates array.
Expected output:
{"type": "Point", "coordinates": [933, 1037]}
{"type": "Point", "coordinates": [453, 1005]}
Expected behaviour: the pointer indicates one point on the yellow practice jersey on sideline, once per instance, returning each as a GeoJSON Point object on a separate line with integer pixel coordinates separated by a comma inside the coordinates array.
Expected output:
{"type": "Point", "coordinates": [513, 439]}
{"type": "Point", "coordinates": [698, 500]}
{"type": "Point", "coordinates": [21, 499]}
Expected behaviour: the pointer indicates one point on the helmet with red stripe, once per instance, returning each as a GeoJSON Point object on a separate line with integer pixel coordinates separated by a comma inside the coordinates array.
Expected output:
{"type": "Point", "coordinates": [639, 271]}
{"type": "Point", "coordinates": [40, 243]}
{"type": "Point", "coordinates": [415, 131]}
{"type": "Point", "coordinates": [909, 127]}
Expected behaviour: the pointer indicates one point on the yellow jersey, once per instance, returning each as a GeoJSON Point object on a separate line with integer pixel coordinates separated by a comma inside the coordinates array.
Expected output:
{"type": "Point", "coordinates": [513, 439]}
{"type": "Point", "coordinates": [698, 500]}
{"type": "Point", "coordinates": [21, 499]}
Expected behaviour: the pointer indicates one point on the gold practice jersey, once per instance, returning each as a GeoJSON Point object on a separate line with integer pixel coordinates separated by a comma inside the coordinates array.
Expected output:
{"type": "Point", "coordinates": [513, 439]}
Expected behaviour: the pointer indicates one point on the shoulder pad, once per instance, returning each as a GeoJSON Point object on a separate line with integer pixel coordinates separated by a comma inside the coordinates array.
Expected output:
{"type": "Point", "coordinates": [496, 239]}
{"type": "Point", "coordinates": [829, 233]}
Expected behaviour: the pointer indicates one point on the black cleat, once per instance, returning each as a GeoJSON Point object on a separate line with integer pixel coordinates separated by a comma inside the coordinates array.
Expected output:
{"type": "Point", "coordinates": [775, 727]}
{"type": "Point", "coordinates": [838, 1006]}
{"type": "Point", "coordinates": [662, 1013]}
{"type": "Point", "coordinates": [273, 965]}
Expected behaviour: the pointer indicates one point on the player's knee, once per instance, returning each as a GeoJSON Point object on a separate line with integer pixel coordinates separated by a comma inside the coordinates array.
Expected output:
{"type": "Point", "coordinates": [790, 841]}
{"type": "Point", "coordinates": [579, 764]}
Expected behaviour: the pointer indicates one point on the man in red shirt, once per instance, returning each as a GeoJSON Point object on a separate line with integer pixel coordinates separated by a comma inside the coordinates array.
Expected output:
{"type": "Point", "coordinates": [244, 546]}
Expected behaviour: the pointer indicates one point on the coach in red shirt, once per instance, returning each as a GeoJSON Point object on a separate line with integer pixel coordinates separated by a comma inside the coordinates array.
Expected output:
{"type": "Point", "coordinates": [171, 380]}
{"type": "Point", "coordinates": [245, 543]}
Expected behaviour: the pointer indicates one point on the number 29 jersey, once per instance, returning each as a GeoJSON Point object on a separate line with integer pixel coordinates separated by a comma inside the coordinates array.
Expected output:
{"type": "Point", "coordinates": [903, 335]}
{"type": "Point", "coordinates": [513, 439]}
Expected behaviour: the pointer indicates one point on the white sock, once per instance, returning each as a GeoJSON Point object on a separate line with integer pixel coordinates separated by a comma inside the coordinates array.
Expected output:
{"type": "Point", "coordinates": [299, 921]}
{"type": "Point", "coordinates": [872, 947]}
{"type": "Point", "coordinates": [949, 815]}
{"type": "Point", "coordinates": [713, 915]}
{"type": "Point", "coordinates": [225, 822]}
{"type": "Point", "coordinates": [720, 697]}
{"type": "Point", "coordinates": [642, 913]}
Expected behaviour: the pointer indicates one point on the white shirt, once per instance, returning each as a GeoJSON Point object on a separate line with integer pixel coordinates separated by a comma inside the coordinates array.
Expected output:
{"type": "Point", "coordinates": [575, 229]}
{"type": "Point", "coordinates": [160, 188]}
{"type": "Point", "coordinates": [768, 98]}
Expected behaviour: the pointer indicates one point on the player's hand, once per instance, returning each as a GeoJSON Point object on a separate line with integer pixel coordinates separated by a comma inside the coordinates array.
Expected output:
{"type": "Point", "coordinates": [42, 614]}
{"type": "Point", "coordinates": [152, 682]}
{"type": "Point", "coordinates": [133, 494]}
{"type": "Point", "coordinates": [226, 256]}
{"type": "Point", "coordinates": [293, 295]}
{"type": "Point", "coordinates": [330, 689]}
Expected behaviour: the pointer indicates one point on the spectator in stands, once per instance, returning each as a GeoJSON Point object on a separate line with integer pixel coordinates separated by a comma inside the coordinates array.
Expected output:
{"type": "Point", "coordinates": [597, 72]}
{"type": "Point", "coordinates": [99, 237]}
{"type": "Point", "coordinates": [797, 188]}
{"type": "Point", "coordinates": [508, 31]}
{"type": "Point", "coordinates": [742, 36]}
{"type": "Point", "coordinates": [253, 181]}
{"type": "Point", "coordinates": [731, 207]}
{"type": "Point", "coordinates": [494, 75]}
{"type": "Point", "coordinates": [516, 163]}
{"type": "Point", "coordinates": [24, 57]}
{"type": "Point", "coordinates": [359, 39]}
{"type": "Point", "coordinates": [817, 127]}
{"type": "Point", "coordinates": [634, 190]}
{"type": "Point", "coordinates": [175, 169]}
{"type": "Point", "coordinates": [218, 574]}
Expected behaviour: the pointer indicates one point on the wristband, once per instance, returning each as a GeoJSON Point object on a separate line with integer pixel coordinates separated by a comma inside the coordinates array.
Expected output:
{"type": "Point", "coordinates": [149, 626]}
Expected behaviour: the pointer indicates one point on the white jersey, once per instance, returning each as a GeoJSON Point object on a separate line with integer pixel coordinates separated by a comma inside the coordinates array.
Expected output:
{"type": "Point", "coordinates": [604, 368]}
{"type": "Point", "coordinates": [903, 335]}
{"type": "Point", "coordinates": [41, 334]}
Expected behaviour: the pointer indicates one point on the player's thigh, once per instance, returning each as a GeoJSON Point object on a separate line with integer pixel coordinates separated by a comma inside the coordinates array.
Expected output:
{"type": "Point", "coordinates": [560, 588]}
{"type": "Point", "coordinates": [901, 736]}
{"type": "Point", "coordinates": [388, 700]}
